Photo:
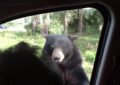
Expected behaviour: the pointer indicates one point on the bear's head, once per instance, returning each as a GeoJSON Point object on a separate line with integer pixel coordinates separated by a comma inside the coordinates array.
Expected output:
{"type": "Point", "coordinates": [59, 47]}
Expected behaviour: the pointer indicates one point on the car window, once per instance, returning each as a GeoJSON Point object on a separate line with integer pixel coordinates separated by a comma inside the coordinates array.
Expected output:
{"type": "Point", "coordinates": [85, 23]}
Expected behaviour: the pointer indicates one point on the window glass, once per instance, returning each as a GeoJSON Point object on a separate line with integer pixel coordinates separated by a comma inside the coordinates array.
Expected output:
{"type": "Point", "coordinates": [85, 23]}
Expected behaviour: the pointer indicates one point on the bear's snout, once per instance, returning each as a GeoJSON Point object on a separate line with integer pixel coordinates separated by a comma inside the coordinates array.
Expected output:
{"type": "Point", "coordinates": [57, 55]}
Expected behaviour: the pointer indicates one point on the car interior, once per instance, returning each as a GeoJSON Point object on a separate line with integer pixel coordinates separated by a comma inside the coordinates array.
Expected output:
{"type": "Point", "coordinates": [104, 69]}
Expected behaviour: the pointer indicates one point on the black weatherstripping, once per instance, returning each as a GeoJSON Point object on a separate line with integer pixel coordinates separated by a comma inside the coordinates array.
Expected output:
{"type": "Point", "coordinates": [102, 41]}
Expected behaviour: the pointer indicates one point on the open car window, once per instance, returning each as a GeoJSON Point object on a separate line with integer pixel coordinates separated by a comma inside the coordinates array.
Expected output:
{"type": "Point", "coordinates": [85, 23]}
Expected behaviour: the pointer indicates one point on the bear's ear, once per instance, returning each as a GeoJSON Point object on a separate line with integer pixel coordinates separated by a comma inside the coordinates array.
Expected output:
{"type": "Point", "coordinates": [72, 37]}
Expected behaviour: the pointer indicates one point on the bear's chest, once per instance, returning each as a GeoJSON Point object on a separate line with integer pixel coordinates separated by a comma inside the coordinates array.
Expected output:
{"type": "Point", "coordinates": [70, 79]}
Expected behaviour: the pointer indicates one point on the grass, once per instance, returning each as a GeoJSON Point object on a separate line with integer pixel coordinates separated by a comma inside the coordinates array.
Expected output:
{"type": "Point", "coordinates": [87, 43]}
{"type": "Point", "coordinates": [8, 39]}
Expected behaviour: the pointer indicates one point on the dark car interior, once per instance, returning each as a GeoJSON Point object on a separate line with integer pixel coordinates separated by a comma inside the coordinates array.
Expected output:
{"type": "Point", "coordinates": [106, 66]}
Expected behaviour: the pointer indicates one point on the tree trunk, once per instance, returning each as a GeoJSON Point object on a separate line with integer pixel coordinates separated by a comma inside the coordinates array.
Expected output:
{"type": "Point", "coordinates": [80, 20]}
{"type": "Point", "coordinates": [41, 21]}
{"type": "Point", "coordinates": [35, 22]}
{"type": "Point", "coordinates": [65, 23]}
{"type": "Point", "coordinates": [46, 27]}
{"type": "Point", "coordinates": [47, 21]}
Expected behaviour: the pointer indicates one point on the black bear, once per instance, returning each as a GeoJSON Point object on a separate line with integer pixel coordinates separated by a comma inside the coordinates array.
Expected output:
{"type": "Point", "coordinates": [19, 65]}
{"type": "Point", "coordinates": [61, 50]}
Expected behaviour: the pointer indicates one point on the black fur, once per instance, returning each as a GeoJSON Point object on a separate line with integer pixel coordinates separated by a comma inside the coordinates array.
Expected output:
{"type": "Point", "coordinates": [19, 65]}
{"type": "Point", "coordinates": [71, 66]}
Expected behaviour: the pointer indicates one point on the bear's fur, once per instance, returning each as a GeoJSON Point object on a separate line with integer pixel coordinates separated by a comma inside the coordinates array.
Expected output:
{"type": "Point", "coordinates": [61, 50]}
{"type": "Point", "coordinates": [19, 65]}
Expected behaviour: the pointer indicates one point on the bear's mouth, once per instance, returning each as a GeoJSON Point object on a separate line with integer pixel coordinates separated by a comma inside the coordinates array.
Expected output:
{"type": "Point", "coordinates": [56, 60]}
{"type": "Point", "coordinates": [57, 55]}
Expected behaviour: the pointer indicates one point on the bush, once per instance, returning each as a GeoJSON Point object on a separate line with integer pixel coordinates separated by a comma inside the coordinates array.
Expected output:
{"type": "Point", "coordinates": [90, 56]}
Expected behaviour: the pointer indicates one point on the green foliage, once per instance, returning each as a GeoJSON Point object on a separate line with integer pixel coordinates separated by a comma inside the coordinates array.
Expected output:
{"type": "Point", "coordinates": [88, 46]}
{"type": "Point", "coordinates": [91, 30]}
{"type": "Point", "coordinates": [28, 28]}
{"type": "Point", "coordinates": [90, 56]}
{"type": "Point", "coordinates": [8, 39]}
{"type": "Point", "coordinates": [93, 19]}
{"type": "Point", "coordinates": [56, 28]}
{"type": "Point", "coordinates": [73, 25]}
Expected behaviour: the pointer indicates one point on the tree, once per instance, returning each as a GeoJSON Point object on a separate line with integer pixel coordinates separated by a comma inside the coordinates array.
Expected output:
{"type": "Point", "coordinates": [93, 19]}
{"type": "Point", "coordinates": [46, 24]}
{"type": "Point", "coordinates": [41, 21]}
{"type": "Point", "coordinates": [35, 23]}
{"type": "Point", "coordinates": [65, 22]}
{"type": "Point", "coordinates": [80, 20]}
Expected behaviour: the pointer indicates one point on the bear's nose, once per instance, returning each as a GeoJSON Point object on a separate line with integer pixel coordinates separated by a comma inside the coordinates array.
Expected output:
{"type": "Point", "coordinates": [56, 59]}
{"type": "Point", "coordinates": [57, 55]}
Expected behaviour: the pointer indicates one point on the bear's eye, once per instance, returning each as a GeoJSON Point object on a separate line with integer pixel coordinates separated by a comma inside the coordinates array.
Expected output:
{"type": "Point", "coordinates": [49, 49]}
{"type": "Point", "coordinates": [52, 46]}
